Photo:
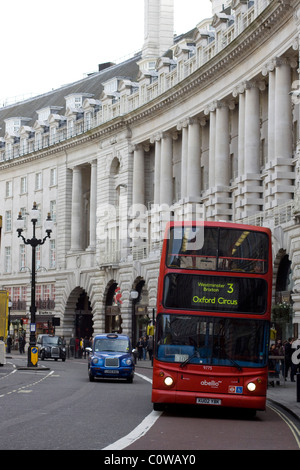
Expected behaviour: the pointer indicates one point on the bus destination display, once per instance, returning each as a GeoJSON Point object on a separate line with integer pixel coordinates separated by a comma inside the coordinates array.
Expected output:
{"type": "Point", "coordinates": [215, 293]}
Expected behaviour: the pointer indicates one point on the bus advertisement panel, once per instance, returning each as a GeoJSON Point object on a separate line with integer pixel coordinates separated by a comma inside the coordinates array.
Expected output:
{"type": "Point", "coordinates": [213, 315]}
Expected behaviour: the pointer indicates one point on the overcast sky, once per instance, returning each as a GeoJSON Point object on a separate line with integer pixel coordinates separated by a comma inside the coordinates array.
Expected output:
{"type": "Point", "coordinates": [48, 44]}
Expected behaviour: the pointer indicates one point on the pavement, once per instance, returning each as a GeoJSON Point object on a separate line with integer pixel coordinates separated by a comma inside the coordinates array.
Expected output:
{"type": "Point", "coordinates": [283, 394]}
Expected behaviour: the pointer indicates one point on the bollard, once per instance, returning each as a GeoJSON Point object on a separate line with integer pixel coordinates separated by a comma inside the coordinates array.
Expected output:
{"type": "Point", "coordinates": [298, 386]}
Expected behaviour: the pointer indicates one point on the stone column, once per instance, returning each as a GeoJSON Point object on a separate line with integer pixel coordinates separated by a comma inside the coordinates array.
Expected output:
{"type": "Point", "coordinates": [222, 145]}
{"type": "Point", "coordinates": [222, 202]}
{"type": "Point", "coordinates": [280, 171]}
{"type": "Point", "coordinates": [77, 210]}
{"type": "Point", "coordinates": [269, 71]}
{"type": "Point", "coordinates": [237, 192]}
{"type": "Point", "coordinates": [241, 140]}
{"type": "Point", "coordinates": [157, 164]}
{"type": "Point", "coordinates": [271, 116]}
{"type": "Point", "coordinates": [138, 192]}
{"type": "Point", "coordinates": [251, 186]}
{"type": "Point", "coordinates": [93, 205]}
{"type": "Point", "coordinates": [184, 160]}
{"type": "Point", "coordinates": [252, 129]}
{"type": "Point", "coordinates": [166, 172]}
{"type": "Point", "coordinates": [212, 147]}
{"type": "Point", "coordinates": [194, 159]}
{"type": "Point", "coordinates": [283, 111]}
{"type": "Point", "coordinates": [217, 203]}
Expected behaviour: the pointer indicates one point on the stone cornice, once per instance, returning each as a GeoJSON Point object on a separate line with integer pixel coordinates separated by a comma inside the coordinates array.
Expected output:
{"type": "Point", "coordinates": [99, 132]}
{"type": "Point", "coordinates": [264, 26]}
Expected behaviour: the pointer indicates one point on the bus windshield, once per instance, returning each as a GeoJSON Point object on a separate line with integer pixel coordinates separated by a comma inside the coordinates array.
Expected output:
{"type": "Point", "coordinates": [218, 249]}
{"type": "Point", "coordinates": [211, 340]}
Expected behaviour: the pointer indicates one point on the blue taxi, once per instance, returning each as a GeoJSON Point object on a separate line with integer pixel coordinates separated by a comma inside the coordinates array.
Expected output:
{"type": "Point", "coordinates": [111, 357]}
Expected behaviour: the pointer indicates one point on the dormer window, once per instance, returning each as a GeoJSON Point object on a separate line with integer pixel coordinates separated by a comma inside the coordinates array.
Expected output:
{"type": "Point", "coordinates": [151, 65]}
{"type": "Point", "coordinates": [111, 86]}
{"type": "Point", "coordinates": [44, 113]}
{"type": "Point", "coordinates": [75, 100]}
{"type": "Point", "coordinates": [12, 126]}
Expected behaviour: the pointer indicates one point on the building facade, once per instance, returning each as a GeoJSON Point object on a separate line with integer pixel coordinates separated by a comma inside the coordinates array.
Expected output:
{"type": "Point", "coordinates": [204, 125]}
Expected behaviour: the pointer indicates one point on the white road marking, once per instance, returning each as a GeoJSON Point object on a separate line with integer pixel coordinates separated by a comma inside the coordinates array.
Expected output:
{"type": "Point", "coordinates": [137, 433]}
{"type": "Point", "coordinates": [23, 389]}
{"type": "Point", "coordinates": [140, 430]}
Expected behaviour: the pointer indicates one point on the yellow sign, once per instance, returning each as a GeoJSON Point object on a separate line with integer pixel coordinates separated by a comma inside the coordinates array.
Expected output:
{"type": "Point", "coordinates": [225, 294]}
{"type": "Point", "coordinates": [34, 355]}
{"type": "Point", "coordinates": [4, 298]}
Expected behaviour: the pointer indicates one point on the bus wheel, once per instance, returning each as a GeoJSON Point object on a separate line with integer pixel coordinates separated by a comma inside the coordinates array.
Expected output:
{"type": "Point", "coordinates": [249, 413]}
{"type": "Point", "coordinates": [158, 406]}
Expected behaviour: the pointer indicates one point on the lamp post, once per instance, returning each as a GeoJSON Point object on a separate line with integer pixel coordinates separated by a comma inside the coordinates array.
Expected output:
{"type": "Point", "coordinates": [33, 242]}
{"type": "Point", "coordinates": [9, 309]}
{"type": "Point", "coordinates": [134, 297]}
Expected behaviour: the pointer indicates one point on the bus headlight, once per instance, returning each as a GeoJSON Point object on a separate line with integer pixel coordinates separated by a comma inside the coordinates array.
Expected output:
{"type": "Point", "coordinates": [168, 381]}
{"type": "Point", "coordinates": [251, 386]}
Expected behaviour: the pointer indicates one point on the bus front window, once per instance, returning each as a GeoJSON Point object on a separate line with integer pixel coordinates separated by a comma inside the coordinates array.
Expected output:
{"type": "Point", "coordinates": [214, 341]}
{"type": "Point", "coordinates": [217, 249]}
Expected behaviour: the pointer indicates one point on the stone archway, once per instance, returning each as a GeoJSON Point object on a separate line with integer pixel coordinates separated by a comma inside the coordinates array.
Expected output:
{"type": "Point", "coordinates": [282, 307]}
{"type": "Point", "coordinates": [140, 302]}
{"type": "Point", "coordinates": [113, 302]}
{"type": "Point", "coordinates": [83, 317]}
{"type": "Point", "coordinates": [78, 317]}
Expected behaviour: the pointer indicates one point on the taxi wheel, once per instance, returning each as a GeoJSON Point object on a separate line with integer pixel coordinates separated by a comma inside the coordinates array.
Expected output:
{"type": "Point", "coordinates": [91, 377]}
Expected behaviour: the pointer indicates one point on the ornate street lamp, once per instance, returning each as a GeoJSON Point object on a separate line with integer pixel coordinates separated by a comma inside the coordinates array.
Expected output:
{"type": "Point", "coordinates": [33, 242]}
{"type": "Point", "coordinates": [134, 295]}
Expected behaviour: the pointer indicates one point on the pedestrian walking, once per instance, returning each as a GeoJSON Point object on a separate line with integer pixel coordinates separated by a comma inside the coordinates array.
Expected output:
{"type": "Point", "coordinates": [8, 344]}
{"type": "Point", "coordinates": [86, 344]}
{"type": "Point", "coordinates": [139, 346]}
{"type": "Point", "coordinates": [144, 348]}
{"type": "Point", "coordinates": [77, 346]}
{"type": "Point", "coordinates": [150, 347]}
{"type": "Point", "coordinates": [22, 343]}
{"type": "Point", "coordinates": [287, 357]}
{"type": "Point", "coordinates": [72, 346]}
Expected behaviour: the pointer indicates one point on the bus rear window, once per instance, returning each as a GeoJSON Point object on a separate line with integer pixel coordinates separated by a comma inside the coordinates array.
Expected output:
{"type": "Point", "coordinates": [217, 249]}
{"type": "Point", "coordinates": [215, 293]}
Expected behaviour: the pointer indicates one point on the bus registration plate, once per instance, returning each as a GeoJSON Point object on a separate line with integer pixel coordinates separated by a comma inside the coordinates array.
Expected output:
{"type": "Point", "coordinates": [208, 401]}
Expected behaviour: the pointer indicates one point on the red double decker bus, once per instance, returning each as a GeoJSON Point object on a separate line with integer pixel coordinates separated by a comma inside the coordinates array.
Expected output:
{"type": "Point", "coordinates": [213, 316]}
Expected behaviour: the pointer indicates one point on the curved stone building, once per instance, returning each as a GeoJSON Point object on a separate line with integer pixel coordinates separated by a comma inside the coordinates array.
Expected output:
{"type": "Point", "coordinates": [204, 124]}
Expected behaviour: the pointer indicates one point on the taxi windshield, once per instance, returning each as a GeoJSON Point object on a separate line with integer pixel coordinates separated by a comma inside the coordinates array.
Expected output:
{"type": "Point", "coordinates": [111, 345]}
{"type": "Point", "coordinates": [52, 340]}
